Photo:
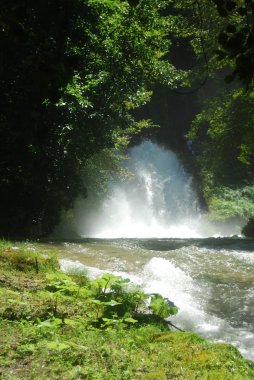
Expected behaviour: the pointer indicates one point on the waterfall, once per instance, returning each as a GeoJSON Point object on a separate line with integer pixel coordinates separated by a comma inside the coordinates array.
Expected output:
{"type": "Point", "coordinates": [158, 200]}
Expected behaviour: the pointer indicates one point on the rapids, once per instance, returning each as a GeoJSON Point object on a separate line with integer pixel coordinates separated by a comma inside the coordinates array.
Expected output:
{"type": "Point", "coordinates": [210, 280]}
{"type": "Point", "coordinates": [150, 229]}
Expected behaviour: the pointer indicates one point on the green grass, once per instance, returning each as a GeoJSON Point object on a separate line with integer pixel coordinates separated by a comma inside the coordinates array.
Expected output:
{"type": "Point", "coordinates": [55, 326]}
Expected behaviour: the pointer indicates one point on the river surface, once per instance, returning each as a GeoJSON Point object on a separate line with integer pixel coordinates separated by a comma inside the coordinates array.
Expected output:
{"type": "Point", "coordinates": [211, 280]}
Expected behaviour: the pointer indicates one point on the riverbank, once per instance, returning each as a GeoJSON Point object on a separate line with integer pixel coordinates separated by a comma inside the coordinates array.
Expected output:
{"type": "Point", "coordinates": [58, 326]}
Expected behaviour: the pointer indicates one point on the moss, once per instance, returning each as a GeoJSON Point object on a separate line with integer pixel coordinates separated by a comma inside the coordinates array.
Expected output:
{"type": "Point", "coordinates": [47, 331]}
{"type": "Point", "coordinates": [26, 259]}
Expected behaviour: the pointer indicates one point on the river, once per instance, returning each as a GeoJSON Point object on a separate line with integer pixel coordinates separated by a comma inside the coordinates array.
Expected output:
{"type": "Point", "coordinates": [211, 280]}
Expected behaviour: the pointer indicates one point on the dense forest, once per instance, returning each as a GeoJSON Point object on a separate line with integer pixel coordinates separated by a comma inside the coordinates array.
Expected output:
{"type": "Point", "coordinates": [83, 84]}
{"type": "Point", "coordinates": [82, 79]}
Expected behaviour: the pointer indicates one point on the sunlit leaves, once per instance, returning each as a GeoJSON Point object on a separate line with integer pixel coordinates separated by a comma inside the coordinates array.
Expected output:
{"type": "Point", "coordinates": [73, 94]}
{"type": "Point", "coordinates": [223, 144]}
{"type": "Point", "coordinates": [236, 38]}
{"type": "Point", "coordinates": [162, 307]}
{"type": "Point", "coordinates": [228, 120]}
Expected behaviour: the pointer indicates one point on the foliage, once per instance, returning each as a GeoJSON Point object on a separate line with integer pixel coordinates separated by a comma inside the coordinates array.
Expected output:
{"type": "Point", "coordinates": [35, 68]}
{"type": "Point", "coordinates": [74, 75]}
{"type": "Point", "coordinates": [221, 35]}
{"type": "Point", "coordinates": [24, 258]}
{"type": "Point", "coordinates": [103, 302]}
{"type": "Point", "coordinates": [162, 307]}
{"type": "Point", "coordinates": [248, 229]}
{"type": "Point", "coordinates": [227, 203]}
{"type": "Point", "coordinates": [196, 29]}
{"type": "Point", "coordinates": [71, 74]}
{"type": "Point", "coordinates": [102, 168]}
{"type": "Point", "coordinates": [224, 127]}
{"type": "Point", "coordinates": [222, 136]}
{"type": "Point", "coordinates": [237, 38]}
{"type": "Point", "coordinates": [50, 327]}
{"type": "Point", "coordinates": [144, 353]}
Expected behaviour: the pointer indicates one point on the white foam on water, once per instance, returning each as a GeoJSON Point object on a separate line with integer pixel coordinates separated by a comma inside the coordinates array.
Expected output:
{"type": "Point", "coordinates": [128, 229]}
{"type": "Point", "coordinates": [247, 257]}
{"type": "Point", "coordinates": [161, 276]}
{"type": "Point", "coordinates": [158, 200]}
{"type": "Point", "coordinates": [75, 266]}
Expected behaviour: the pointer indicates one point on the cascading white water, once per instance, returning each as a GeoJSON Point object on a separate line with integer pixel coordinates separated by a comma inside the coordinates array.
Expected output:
{"type": "Point", "coordinates": [210, 280]}
{"type": "Point", "coordinates": [161, 276]}
{"type": "Point", "coordinates": [157, 201]}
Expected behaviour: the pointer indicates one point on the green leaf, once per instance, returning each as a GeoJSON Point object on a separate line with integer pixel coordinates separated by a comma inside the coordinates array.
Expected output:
{"type": "Point", "coordinates": [51, 323]}
{"type": "Point", "coordinates": [71, 322]}
{"type": "Point", "coordinates": [130, 320]}
{"type": "Point", "coordinates": [57, 346]}
{"type": "Point", "coordinates": [161, 306]}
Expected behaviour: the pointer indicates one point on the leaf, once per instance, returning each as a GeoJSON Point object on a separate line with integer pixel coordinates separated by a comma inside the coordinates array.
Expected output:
{"type": "Point", "coordinates": [51, 323]}
{"type": "Point", "coordinates": [71, 322]}
{"type": "Point", "coordinates": [78, 347]}
{"type": "Point", "coordinates": [106, 303]}
{"type": "Point", "coordinates": [105, 282]}
{"type": "Point", "coordinates": [161, 306]}
{"type": "Point", "coordinates": [130, 320]}
{"type": "Point", "coordinates": [57, 346]}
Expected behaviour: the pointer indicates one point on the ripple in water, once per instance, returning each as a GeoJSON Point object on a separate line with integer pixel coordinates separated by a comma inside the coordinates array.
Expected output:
{"type": "Point", "coordinates": [201, 304]}
{"type": "Point", "coordinates": [161, 276]}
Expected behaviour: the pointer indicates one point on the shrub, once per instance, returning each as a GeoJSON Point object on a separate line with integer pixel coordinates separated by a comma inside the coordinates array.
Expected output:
{"type": "Point", "coordinates": [248, 229]}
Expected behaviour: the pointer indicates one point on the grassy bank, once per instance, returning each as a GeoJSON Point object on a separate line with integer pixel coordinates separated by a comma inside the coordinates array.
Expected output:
{"type": "Point", "coordinates": [58, 326]}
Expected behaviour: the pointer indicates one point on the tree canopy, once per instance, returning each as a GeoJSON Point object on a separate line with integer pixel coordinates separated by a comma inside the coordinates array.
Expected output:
{"type": "Point", "coordinates": [70, 73]}
{"type": "Point", "coordinates": [73, 73]}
